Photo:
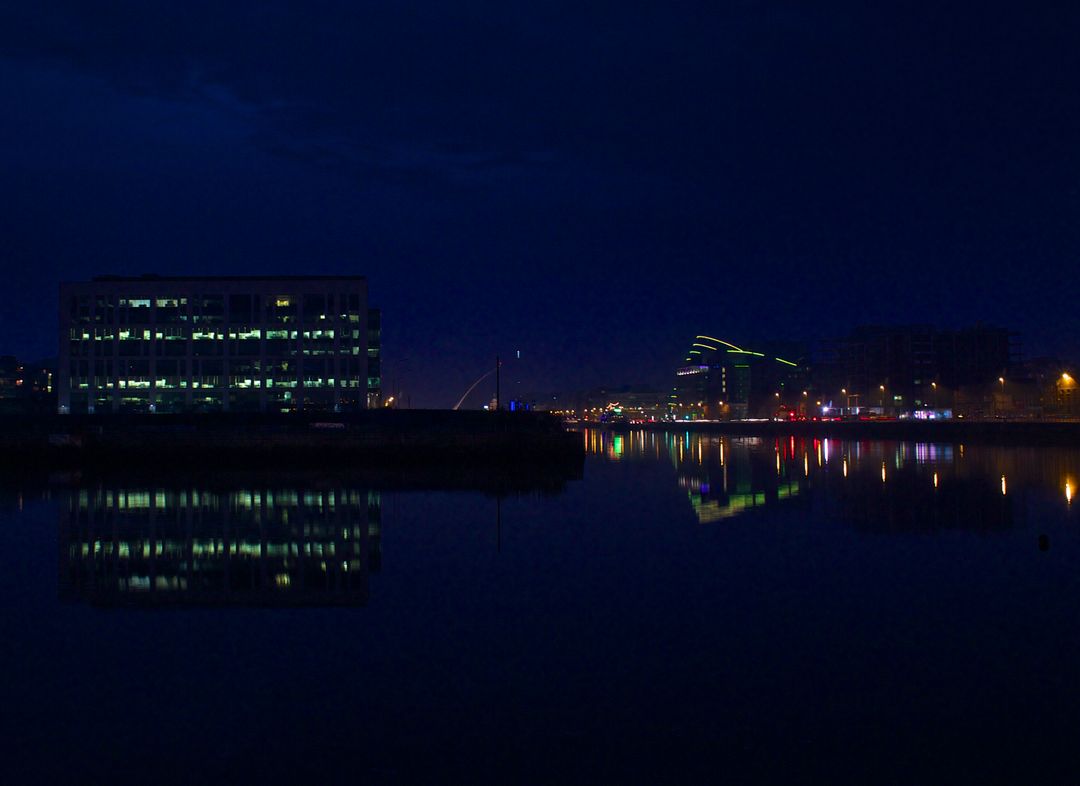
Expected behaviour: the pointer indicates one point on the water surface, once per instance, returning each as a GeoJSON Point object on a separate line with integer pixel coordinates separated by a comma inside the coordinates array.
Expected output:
{"type": "Point", "coordinates": [693, 609]}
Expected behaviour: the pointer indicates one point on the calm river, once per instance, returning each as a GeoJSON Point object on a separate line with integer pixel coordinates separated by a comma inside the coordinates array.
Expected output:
{"type": "Point", "coordinates": [686, 610]}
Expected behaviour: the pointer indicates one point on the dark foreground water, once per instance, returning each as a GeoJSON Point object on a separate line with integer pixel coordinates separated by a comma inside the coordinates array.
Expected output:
{"type": "Point", "coordinates": [691, 611]}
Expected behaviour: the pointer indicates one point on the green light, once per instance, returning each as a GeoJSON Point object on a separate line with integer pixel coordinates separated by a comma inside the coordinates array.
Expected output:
{"type": "Point", "coordinates": [787, 362]}
{"type": "Point", "coordinates": [718, 341]}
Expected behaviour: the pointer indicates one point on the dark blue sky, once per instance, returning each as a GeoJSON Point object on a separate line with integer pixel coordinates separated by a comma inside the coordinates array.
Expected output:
{"type": "Point", "coordinates": [590, 183]}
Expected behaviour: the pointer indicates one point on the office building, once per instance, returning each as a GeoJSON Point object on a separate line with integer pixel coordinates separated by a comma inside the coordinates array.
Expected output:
{"type": "Point", "coordinates": [221, 344]}
{"type": "Point", "coordinates": [907, 367]}
{"type": "Point", "coordinates": [724, 381]}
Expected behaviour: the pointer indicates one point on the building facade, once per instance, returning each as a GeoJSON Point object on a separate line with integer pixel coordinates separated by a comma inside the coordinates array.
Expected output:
{"type": "Point", "coordinates": [908, 367]}
{"type": "Point", "coordinates": [723, 381]}
{"type": "Point", "coordinates": [220, 344]}
{"type": "Point", "coordinates": [25, 388]}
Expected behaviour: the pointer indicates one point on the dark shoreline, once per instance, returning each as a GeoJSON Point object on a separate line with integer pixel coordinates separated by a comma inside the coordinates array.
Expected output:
{"type": "Point", "coordinates": [384, 438]}
{"type": "Point", "coordinates": [1000, 432]}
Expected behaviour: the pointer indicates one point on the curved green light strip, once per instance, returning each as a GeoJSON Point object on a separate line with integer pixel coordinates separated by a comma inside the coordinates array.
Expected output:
{"type": "Point", "coordinates": [733, 349]}
{"type": "Point", "coordinates": [718, 341]}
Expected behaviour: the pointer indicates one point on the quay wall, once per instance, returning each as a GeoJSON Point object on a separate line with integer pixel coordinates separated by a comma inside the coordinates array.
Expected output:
{"type": "Point", "coordinates": [289, 440]}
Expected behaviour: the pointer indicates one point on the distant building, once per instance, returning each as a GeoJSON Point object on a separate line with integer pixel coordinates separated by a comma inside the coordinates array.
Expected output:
{"type": "Point", "coordinates": [218, 344]}
{"type": "Point", "coordinates": [904, 368]}
{"type": "Point", "coordinates": [623, 403]}
{"type": "Point", "coordinates": [25, 387]}
{"type": "Point", "coordinates": [722, 381]}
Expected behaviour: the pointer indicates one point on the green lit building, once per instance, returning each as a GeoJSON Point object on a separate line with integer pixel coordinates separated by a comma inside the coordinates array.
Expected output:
{"type": "Point", "coordinates": [723, 381]}
{"type": "Point", "coordinates": [220, 344]}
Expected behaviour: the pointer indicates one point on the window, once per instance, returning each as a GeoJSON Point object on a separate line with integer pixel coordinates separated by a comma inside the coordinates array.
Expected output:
{"type": "Point", "coordinates": [240, 308]}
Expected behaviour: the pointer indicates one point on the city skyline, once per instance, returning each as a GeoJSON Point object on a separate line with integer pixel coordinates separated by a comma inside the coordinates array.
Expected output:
{"type": "Point", "coordinates": [589, 187]}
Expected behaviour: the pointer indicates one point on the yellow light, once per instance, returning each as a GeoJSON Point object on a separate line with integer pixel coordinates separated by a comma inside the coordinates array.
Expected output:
{"type": "Point", "coordinates": [935, 480]}
{"type": "Point", "coordinates": [1003, 485]}
{"type": "Point", "coordinates": [881, 388]}
{"type": "Point", "coordinates": [1066, 378]}
{"type": "Point", "coordinates": [1068, 492]}
{"type": "Point", "coordinates": [845, 466]}
{"type": "Point", "coordinates": [844, 391]}
{"type": "Point", "coordinates": [883, 472]}
{"type": "Point", "coordinates": [1001, 380]}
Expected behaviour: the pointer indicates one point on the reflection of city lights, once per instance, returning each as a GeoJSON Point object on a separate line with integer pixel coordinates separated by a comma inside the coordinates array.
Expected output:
{"type": "Point", "coordinates": [806, 465]}
{"type": "Point", "coordinates": [1068, 492]}
{"type": "Point", "coordinates": [778, 462]}
{"type": "Point", "coordinates": [845, 467]}
{"type": "Point", "coordinates": [935, 480]}
{"type": "Point", "coordinates": [1003, 485]}
{"type": "Point", "coordinates": [883, 472]}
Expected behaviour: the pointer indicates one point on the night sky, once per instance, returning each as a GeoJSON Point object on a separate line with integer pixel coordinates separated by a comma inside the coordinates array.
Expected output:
{"type": "Point", "coordinates": [589, 183]}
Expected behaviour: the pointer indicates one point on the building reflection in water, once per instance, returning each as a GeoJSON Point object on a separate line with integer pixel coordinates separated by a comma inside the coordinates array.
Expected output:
{"type": "Point", "coordinates": [276, 546]}
{"type": "Point", "coordinates": [872, 486]}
